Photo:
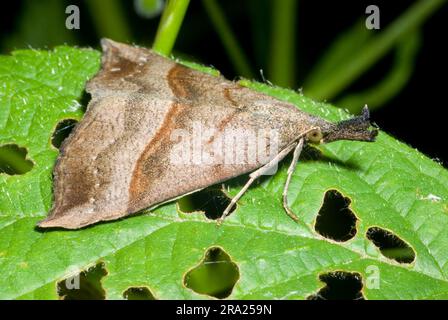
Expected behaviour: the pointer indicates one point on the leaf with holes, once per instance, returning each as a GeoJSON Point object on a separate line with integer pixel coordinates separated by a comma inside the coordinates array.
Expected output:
{"type": "Point", "coordinates": [374, 217]}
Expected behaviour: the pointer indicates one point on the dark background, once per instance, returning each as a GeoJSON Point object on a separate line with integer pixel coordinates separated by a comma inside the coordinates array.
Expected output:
{"type": "Point", "coordinates": [416, 115]}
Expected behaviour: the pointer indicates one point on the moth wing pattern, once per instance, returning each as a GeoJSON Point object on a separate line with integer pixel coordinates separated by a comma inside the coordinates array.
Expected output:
{"type": "Point", "coordinates": [119, 158]}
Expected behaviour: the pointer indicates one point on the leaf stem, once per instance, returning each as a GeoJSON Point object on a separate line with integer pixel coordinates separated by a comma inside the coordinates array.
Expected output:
{"type": "Point", "coordinates": [228, 39]}
{"type": "Point", "coordinates": [169, 25]}
{"type": "Point", "coordinates": [282, 64]}
{"type": "Point", "coordinates": [109, 19]}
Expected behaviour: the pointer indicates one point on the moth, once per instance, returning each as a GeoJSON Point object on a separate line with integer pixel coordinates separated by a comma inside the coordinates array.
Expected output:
{"type": "Point", "coordinates": [118, 160]}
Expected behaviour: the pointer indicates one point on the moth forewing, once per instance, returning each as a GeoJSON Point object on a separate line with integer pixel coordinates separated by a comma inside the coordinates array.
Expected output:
{"type": "Point", "coordinates": [119, 159]}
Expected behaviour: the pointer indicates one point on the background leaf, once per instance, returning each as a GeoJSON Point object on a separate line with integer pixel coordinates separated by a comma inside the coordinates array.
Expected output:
{"type": "Point", "coordinates": [40, 26]}
{"type": "Point", "coordinates": [389, 184]}
{"type": "Point", "coordinates": [320, 86]}
{"type": "Point", "coordinates": [392, 83]}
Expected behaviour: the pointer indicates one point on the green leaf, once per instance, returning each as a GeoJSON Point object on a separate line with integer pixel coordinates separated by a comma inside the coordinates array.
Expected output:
{"type": "Point", "coordinates": [390, 185]}
{"type": "Point", "coordinates": [39, 89]}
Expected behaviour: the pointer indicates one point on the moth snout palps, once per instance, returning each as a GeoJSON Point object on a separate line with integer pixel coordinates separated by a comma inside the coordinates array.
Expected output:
{"type": "Point", "coordinates": [138, 146]}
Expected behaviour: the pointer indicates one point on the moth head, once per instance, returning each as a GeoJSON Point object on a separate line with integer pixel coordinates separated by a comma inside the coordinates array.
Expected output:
{"type": "Point", "coordinates": [356, 128]}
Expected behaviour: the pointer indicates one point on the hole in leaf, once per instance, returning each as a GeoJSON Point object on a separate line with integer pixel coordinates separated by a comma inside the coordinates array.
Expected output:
{"type": "Point", "coordinates": [335, 219]}
{"type": "Point", "coordinates": [138, 293]}
{"type": "Point", "coordinates": [211, 200]}
{"type": "Point", "coordinates": [62, 131]}
{"type": "Point", "coordinates": [215, 276]}
{"type": "Point", "coordinates": [13, 160]}
{"type": "Point", "coordinates": [84, 286]}
{"type": "Point", "coordinates": [390, 245]}
{"type": "Point", "coordinates": [84, 101]}
{"type": "Point", "coordinates": [339, 285]}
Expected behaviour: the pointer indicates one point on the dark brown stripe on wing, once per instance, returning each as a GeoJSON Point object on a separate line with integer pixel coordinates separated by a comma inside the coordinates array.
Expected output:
{"type": "Point", "coordinates": [153, 159]}
{"type": "Point", "coordinates": [181, 82]}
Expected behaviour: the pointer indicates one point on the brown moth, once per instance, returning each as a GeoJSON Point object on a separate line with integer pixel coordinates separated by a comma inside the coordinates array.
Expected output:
{"type": "Point", "coordinates": [119, 158]}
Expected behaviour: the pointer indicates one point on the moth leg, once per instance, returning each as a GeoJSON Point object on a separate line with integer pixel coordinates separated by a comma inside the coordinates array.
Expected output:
{"type": "Point", "coordinates": [254, 175]}
{"type": "Point", "coordinates": [291, 168]}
